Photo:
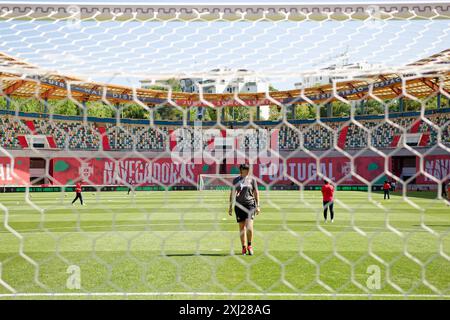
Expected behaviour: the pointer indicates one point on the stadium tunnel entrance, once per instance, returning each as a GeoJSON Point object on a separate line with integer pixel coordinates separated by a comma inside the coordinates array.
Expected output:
{"type": "Point", "coordinates": [404, 167]}
{"type": "Point", "coordinates": [38, 174]}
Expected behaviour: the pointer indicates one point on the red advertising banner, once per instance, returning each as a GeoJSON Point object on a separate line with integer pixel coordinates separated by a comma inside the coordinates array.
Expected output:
{"type": "Point", "coordinates": [437, 166]}
{"type": "Point", "coordinates": [306, 170]}
{"type": "Point", "coordinates": [227, 102]}
{"type": "Point", "coordinates": [165, 171]}
{"type": "Point", "coordinates": [14, 171]}
{"type": "Point", "coordinates": [106, 171]}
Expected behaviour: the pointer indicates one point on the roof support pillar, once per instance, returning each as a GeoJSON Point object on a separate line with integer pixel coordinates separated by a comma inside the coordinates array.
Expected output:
{"type": "Point", "coordinates": [46, 105]}
{"type": "Point", "coordinates": [8, 102]}
{"type": "Point", "coordinates": [293, 109]}
{"type": "Point", "coordinates": [329, 107]}
{"type": "Point", "coordinates": [200, 113]}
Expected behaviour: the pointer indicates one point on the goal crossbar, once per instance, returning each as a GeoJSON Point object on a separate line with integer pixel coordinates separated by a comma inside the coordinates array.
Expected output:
{"type": "Point", "coordinates": [206, 181]}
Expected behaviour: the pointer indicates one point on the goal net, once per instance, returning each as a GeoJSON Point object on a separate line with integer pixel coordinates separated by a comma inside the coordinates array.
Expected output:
{"type": "Point", "coordinates": [140, 106]}
{"type": "Point", "coordinates": [216, 181]}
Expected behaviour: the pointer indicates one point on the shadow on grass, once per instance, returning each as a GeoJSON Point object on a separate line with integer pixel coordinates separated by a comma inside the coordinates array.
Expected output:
{"type": "Point", "coordinates": [412, 194]}
{"type": "Point", "coordinates": [432, 225]}
{"type": "Point", "coordinates": [196, 255]}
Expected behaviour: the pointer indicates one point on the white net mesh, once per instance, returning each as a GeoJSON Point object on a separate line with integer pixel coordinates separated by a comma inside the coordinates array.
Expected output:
{"type": "Point", "coordinates": [216, 181]}
{"type": "Point", "coordinates": [154, 107]}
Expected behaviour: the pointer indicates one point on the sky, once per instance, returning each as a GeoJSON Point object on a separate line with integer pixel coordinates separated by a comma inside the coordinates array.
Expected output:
{"type": "Point", "coordinates": [124, 52]}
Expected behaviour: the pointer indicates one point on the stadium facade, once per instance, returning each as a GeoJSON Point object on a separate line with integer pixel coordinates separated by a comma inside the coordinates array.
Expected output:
{"type": "Point", "coordinates": [55, 150]}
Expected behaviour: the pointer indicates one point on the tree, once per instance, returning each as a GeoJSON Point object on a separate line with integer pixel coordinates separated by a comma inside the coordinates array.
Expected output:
{"type": "Point", "coordinates": [27, 105]}
{"type": "Point", "coordinates": [412, 105]}
{"type": "Point", "coordinates": [100, 110]}
{"type": "Point", "coordinates": [272, 88]}
{"type": "Point", "coordinates": [133, 111]}
{"type": "Point", "coordinates": [211, 114]}
{"type": "Point", "coordinates": [239, 113]}
{"type": "Point", "coordinates": [162, 85]}
{"type": "Point", "coordinates": [3, 103]}
{"type": "Point", "coordinates": [65, 107]}
{"type": "Point", "coordinates": [305, 111]}
{"type": "Point", "coordinates": [340, 109]}
{"type": "Point", "coordinates": [274, 113]}
{"type": "Point", "coordinates": [167, 112]}
{"type": "Point", "coordinates": [371, 107]}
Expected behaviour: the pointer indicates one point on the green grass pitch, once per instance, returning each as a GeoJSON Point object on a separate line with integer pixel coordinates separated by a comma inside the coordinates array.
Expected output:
{"type": "Point", "coordinates": [182, 244]}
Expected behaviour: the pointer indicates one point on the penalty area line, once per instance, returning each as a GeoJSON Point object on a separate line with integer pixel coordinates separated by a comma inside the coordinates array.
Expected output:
{"type": "Point", "coordinates": [221, 294]}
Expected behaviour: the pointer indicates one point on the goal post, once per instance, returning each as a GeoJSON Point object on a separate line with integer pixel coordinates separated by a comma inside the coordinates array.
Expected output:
{"type": "Point", "coordinates": [152, 95]}
{"type": "Point", "coordinates": [215, 181]}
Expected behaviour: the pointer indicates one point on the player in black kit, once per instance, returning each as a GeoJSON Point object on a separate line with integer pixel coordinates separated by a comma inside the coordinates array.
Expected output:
{"type": "Point", "coordinates": [245, 197]}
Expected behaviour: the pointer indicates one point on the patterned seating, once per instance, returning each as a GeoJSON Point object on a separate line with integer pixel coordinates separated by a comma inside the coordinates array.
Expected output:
{"type": "Point", "coordinates": [77, 135]}
{"type": "Point", "coordinates": [69, 134]}
{"type": "Point", "coordinates": [10, 129]}
{"type": "Point", "coordinates": [143, 138]}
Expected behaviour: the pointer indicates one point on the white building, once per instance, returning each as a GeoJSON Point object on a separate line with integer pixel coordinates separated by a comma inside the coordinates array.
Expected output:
{"type": "Point", "coordinates": [222, 80]}
{"type": "Point", "coordinates": [336, 72]}
{"type": "Point", "coordinates": [225, 80]}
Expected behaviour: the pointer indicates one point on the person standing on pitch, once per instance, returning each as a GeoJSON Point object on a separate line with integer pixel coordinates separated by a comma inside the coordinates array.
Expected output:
{"type": "Point", "coordinates": [386, 189]}
{"type": "Point", "coordinates": [78, 194]}
{"type": "Point", "coordinates": [131, 187]}
{"type": "Point", "coordinates": [327, 198]}
{"type": "Point", "coordinates": [393, 185]}
{"type": "Point", "coordinates": [245, 197]}
{"type": "Point", "coordinates": [444, 189]}
{"type": "Point", "coordinates": [448, 192]}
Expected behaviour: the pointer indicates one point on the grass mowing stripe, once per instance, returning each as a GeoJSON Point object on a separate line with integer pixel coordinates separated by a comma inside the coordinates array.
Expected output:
{"type": "Point", "coordinates": [180, 241]}
{"type": "Point", "coordinates": [122, 226]}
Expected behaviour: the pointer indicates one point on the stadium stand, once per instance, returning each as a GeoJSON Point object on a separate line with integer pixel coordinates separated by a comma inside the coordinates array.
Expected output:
{"type": "Point", "coordinates": [10, 130]}
{"type": "Point", "coordinates": [74, 134]}
{"type": "Point", "coordinates": [70, 135]}
{"type": "Point", "coordinates": [129, 137]}
{"type": "Point", "coordinates": [383, 133]}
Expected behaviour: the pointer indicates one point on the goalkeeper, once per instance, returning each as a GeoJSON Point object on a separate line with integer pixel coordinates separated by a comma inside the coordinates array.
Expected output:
{"type": "Point", "coordinates": [246, 196]}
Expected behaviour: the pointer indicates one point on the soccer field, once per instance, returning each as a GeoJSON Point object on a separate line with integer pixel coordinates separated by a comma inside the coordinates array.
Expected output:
{"type": "Point", "coordinates": [182, 244]}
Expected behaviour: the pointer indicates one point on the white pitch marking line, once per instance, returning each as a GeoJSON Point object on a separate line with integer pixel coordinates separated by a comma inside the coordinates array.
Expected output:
{"type": "Point", "coordinates": [221, 294]}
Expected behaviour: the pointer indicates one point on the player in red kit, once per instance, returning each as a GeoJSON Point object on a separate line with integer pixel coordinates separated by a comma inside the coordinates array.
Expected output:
{"type": "Point", "coordinates": [78, 194]}
{"type": "Point", "coordinates": [327, 197]}
{"type": "Point", "coordinates": [386, 188]}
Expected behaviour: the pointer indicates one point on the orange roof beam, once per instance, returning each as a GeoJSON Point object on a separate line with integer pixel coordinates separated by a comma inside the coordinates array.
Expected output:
{"type": "Point", "coordinates": [15, 86]}
{"type": "Point", "coordinates": [397, 92]}
{"type": "Point", "coordinates": [351, 86]}
{"type": "Point", "coordinates": [46, 95]}
{"type": "Point", "coordinates": [433, 86]}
